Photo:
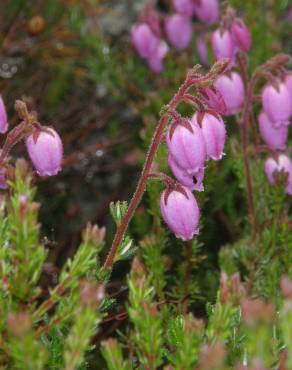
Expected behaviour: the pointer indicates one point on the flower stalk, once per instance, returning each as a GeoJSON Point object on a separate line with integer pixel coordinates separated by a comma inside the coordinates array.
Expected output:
{"type": "Point", "coordinates": [193, 79]}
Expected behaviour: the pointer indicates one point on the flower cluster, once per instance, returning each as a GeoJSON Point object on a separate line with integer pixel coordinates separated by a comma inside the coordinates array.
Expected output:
{"type": "Point", "coordinates": [190, 142]}
{"type": "Point", "coordinates": [231, 37]}
{"type": "Point", "coordinates": [43, 144]}
{"type": "Point", "coordinates": [274, 120]}
{"type": "Point", "coordinates": [178, 28]}
{"type": "Point", "coordinates": [149, 46]}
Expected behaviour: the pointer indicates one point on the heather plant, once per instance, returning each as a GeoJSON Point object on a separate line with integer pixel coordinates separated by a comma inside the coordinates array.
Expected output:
{"type": "Point", "coordinates": [170, 289]}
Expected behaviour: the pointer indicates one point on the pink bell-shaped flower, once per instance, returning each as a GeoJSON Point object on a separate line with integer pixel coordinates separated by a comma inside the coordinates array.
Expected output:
{"type": "Point", "coordinates": [283, 164]}
{"type": "Point", "coordinates": [232, 90]}
{"type": "Point", "coordinates": [149, 46]}
{"type": "Point", "coordinates": [187, 146]}
{"type": "Point", "coordinates": [180, 212]}
{"type": "Point", "coordinates": [185, 7]}
{"type": "Point", "coordinates": [214, 133]}
{"type": "Point", "coordinates": [274, 137]}
{"type": "Point", "coordinates": [207, 11]}
{"type": "Point", "coordinates": [241, 35]}
{"type": "Point", "coordinates": [144, 40]}
{"type": "Point", "coordinates": [277, 103]}
{"type": "Point", "coordinates": [214, 99]}
{"type": "Point", "coordinates": [223, 45]}
{"type": "Point", "coordinates": [45, 150]}
{"type": "Point", "coordinates": [155, 62]}
{"type": "Point", "coordinates": [193, 182]}
{"type": "Point", "coordinates": [3, 117]}
{"type": "Point", "coordinates": [179, 30]}
{"type": "Point", "coordinates": [202, 50]}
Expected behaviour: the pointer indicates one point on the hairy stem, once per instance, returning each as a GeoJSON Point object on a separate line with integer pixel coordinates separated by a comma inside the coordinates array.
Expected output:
{"type": "Point", "coordinates": [192, 79]}
{"type": "Point", "coordinates": [141, 186]}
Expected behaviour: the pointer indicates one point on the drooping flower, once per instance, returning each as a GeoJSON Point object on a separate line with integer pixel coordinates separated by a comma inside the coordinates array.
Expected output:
{"type": "Point", "coordinates": [185, 7]}
{"type": "Point", "coordinates": [274, 137]}
{"type": "Point", "coordinates": [232, 90]}
{"type": "Point", "coordinates": [202, 50]}
{"type": "Point", "coordinates": [178, 28]}
{"type": "Point", "coordinates": [3, 117]}
{"type": "Point", "coordinates": [180, 212]}
{"type": "Point", "coordinates": [282, 164]}
{"type": "Point", "coordinates": [213, 98]}
{"type": "Point", "coordinates": [241, 35]}
{"type": "Point", "coordinates": [193, 182]}
{"type": "Point", "coordinates": [149, 46]}
{"type": "Point", "coordinates": [187, 146]}
{"type": "Point", "coordinates": [207, 11]}
{"type": "Point", "coordinates": [144, 40]}
{"type": "Point", "coordinates": [277, 103]}
{"type": "Point", "coordinates": [155, 62]}
{"type": "Point", "coordinates": [45, 150]}
{"type": "Point", "coordinates": [223, 45]}
{"type": "Point", "coordinates": [214, 133]}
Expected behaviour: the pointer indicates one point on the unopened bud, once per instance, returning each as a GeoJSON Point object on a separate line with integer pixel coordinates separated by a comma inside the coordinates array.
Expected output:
{"type": "Point", "coordinates": [23, 203]}
{"type": "Point", "coordinates": [19, 323]}
{"type": "Point", "coordinates": [93, 233]}
{"type": "Point", "coordinates": [21, 109]}
{"type": "Point", "coordinates": [22, 167]}
{"type": "Point", "coordinates": [220, 67]}
{"type": "Point", "coordinates": [138, 272]}
{"type": "Point", "coordinates": [255, 311]}
{"type": "Point", "coordinates": [91, 294]}
{"type": "Point", "coordinates": [211, 357]}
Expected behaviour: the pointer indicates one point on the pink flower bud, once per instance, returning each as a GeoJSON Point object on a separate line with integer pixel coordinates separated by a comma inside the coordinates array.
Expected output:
{"type": "Point", "coordinates": [214, 100]}
{"type": "Point", "coordinates": [144, 40]}
{"type": "Point", "coordinates": [193, 182]}
{"type": "Point", "coordinates": [187, 146]}
{"type": "Point", "coordinates": [232, 89]}
{"type": "Point", "coordinates": [277, 103]}
{"type": "Point", "coordinates": [283, 164]}
{"type": "Point", "coordinates": [45, 151]}
{"type": "Point", "coordinates": [214, 133]}
{"type": "Point", "coordinates": [179, 30]}
{"type": "Point", "coordinates": [185, 7]}
{"type": "Point", "coordinates": [180, 212]}
{"type": "Point", "coordinates": [288, 83]}
{"type": "Point", "coordinates": [155, 62]}
{"type": "Point", "coordinates": [241, 35]}
{"type": "Point", "coordinates": [223, 45]}
{"type": "Point", "coordinates": [3, 117]}
{"type": "Point", "coordinates": [207, 11]}
{"type": "Point", "coordinates": [202, 50]}
{"type": "Point", "coordinates": [274, 137]}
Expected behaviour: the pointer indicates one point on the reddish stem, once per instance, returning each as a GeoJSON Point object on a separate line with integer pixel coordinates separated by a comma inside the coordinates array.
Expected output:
{"type": "Point", "coordinates": [141, 186]}
{"type": "Point", "coordinates": [192, 79]}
